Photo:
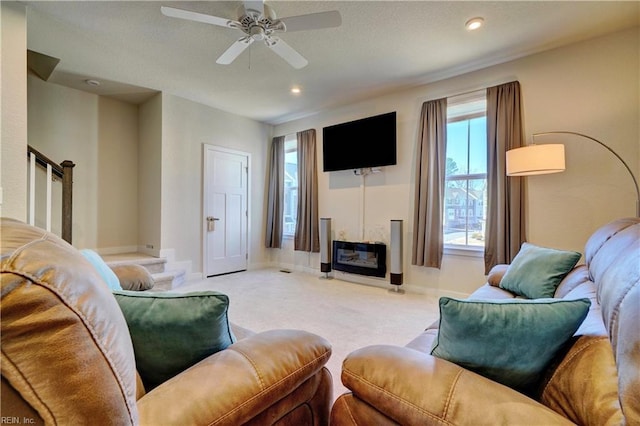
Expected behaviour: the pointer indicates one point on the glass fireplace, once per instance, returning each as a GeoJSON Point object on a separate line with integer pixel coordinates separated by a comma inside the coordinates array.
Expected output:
{"type": "Point", "coordinates": [360, 258]}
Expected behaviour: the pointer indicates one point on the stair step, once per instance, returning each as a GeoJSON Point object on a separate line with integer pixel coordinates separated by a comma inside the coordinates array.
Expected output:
{"type": "Point", "coordinates": [168, 280]}
{"type": "Point", "coordinates": [153, 264]}
{"type": "Point", "coordinates": [163, 280]}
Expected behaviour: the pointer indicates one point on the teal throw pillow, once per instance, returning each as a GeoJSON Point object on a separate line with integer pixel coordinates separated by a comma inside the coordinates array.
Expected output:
{"type": "Point", "coordinates": [173, 331]}
{"type": "Point", "coordinates": [103, 269]}
{"type": "Point", "coordinates": [536, 271]}
{"type": "Point", "coordinates": [509, 341]}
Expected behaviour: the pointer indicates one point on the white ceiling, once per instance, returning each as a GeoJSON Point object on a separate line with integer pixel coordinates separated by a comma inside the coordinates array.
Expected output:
{"type": "Point", "coordinates": [381, 46]}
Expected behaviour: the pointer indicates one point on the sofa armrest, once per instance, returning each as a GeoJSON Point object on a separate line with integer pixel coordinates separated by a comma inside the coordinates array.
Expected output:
{"type": "Point", "coordinates": [234, 385]}
{"type": "Point", "coordinates": [411, 387]}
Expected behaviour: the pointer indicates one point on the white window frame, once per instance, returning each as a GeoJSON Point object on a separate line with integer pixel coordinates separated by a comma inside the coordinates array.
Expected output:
{"type": "Point", "coordinates": [461, 108]}
{"type": "Point", "coordinates": [290, 145]}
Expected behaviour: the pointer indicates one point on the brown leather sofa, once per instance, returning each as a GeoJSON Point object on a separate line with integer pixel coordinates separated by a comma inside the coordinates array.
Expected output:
{"type": "Point", "coordinates": [68, 359]}
{"type": "Point", "coordinates": [595, 382]}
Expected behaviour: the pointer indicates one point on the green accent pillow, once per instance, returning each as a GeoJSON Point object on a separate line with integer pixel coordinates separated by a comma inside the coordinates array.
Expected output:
{"type": "Point", "coordinates": [173, 331]}
{"type": "Point", "coordinates": [536, 271]}
{"type": "Point", "coordinates": [509, 341]}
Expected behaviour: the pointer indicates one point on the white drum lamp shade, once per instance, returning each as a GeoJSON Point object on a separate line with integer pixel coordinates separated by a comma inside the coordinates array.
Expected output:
{"type": "Point", "coordinates": [535, 160]}
{"type": "Point", "coordinates": [549, 158]}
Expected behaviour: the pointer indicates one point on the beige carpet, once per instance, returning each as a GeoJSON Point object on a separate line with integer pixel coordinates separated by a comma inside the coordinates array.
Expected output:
{"type": "Point", "coordinates": [349, 315]}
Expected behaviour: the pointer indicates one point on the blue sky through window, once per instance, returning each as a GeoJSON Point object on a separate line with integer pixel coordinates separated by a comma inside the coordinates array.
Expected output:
{"type": "Point", "coordinates": [467, 145]}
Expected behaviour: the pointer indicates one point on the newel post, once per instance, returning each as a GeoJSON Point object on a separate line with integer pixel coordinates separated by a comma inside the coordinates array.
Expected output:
{"type": "Point", "coordinates": [67, 197]}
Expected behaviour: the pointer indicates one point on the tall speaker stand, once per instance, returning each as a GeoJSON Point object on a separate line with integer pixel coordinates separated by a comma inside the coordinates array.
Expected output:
{"type": "Point", "coordinates": [396, 290]}
{"type": "Point", "coordinates": [325, 247]}
{"type": "Point", "coordinates": [396, 276]}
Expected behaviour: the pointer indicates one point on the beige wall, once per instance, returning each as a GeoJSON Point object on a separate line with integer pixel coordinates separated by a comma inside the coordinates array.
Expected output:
{"type": "Point", "coordinates": [13, 110]}
{"type": "Point", "coordinates": [590, 87]}
{"type": "Point", "coordinates": [100, 136]}
{"type": "Point", "coordinates": [117, 172]}
{"type": "Point", "coordinates": [186, 126]}
{"type": "Point", "coordinates": [150, 175]}
{"type": "Point", "coordinates": [138, 174]}
{"type": "Point", "coordinates": [63, 125]}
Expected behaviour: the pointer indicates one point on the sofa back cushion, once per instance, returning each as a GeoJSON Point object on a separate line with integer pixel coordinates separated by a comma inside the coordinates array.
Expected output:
{"type": "Point", "coordinates": [613, 258]}
{"type": "Point", "coordinates": [65, 344]}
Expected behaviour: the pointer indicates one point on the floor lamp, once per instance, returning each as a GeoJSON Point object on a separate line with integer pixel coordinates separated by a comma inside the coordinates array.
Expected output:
{"type": "Point", "coordinates": [549, 158]}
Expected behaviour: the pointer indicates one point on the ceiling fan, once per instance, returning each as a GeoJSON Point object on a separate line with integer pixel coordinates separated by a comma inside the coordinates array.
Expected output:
{"type": "Point", "coordinates": [258, 21]}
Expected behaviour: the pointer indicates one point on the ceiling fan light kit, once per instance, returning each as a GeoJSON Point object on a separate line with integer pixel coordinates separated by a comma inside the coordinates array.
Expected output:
{"type": "Point", "coordinates": [259, 22]}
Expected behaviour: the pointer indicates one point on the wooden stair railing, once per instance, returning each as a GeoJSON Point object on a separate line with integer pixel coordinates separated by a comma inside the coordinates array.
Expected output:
{"type": "Point", "coordinates": [64, 171]}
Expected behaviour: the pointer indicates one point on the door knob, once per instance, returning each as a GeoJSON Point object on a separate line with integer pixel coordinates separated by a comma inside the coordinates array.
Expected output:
{"type": "Point", "coordinates": [211, 222]}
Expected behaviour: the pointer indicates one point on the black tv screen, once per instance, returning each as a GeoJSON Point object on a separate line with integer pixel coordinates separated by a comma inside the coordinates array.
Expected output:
{"type": "Point", "coordinates": [369, 142]}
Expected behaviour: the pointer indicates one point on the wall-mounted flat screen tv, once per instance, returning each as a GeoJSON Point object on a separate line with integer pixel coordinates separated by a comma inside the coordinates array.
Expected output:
{"type": "Point", "coordinates": [369, 142]}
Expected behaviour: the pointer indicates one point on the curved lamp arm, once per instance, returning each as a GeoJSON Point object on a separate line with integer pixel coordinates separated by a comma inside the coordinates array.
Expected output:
{"type": "Point", "coordinates": [635, 182]}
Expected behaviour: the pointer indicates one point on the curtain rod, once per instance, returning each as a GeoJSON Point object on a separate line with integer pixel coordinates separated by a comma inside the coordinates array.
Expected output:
{"type": "Point", "coordinates": [473, 90]}
{"type": "Point", "coordinates": [467, 92]}
{"type": "Point", "coordinates": [456, 95]}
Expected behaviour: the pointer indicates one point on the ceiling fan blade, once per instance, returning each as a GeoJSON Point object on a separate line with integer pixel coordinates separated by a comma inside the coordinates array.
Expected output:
{"type": "Point", "coordinates": [234, 51]}
{"type": "Point", "coordinates": [287, 52]}
{"type": "Point", "coordinates": [255, 5]}
{"type": "Point", "coordinates": [312, 21]}
{"type": "Point", "coordinates": [199, 17]}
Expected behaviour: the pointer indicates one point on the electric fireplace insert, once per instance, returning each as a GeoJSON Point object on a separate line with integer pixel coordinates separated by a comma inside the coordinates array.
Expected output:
{"type": "Point", "coordinates": [360, 258]}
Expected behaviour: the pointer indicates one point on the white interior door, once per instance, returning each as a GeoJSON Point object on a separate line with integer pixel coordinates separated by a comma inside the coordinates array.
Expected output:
{"type": "Point", "coordinates": [225, 210]}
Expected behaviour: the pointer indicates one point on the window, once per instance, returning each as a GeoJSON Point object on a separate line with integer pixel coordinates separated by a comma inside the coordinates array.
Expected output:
{"type": "Point", "coordinates": [290, 214]}
{"type": "Point", "coordinates": [466, 172]}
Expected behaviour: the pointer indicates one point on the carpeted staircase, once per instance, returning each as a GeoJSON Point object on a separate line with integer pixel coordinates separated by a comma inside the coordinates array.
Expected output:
{"type": "Point", "coordinates": [164, 279]}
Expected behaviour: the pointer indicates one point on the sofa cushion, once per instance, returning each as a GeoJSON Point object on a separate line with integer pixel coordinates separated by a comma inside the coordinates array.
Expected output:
{"type": "Point", "coordinates": [173, 331]}
{"type": "Point", "coordinates": [508, 341]}
{"type": "Point", "coordinates": [102, 268]}
{"type": "Point", "coordinates": [133, 277]}
{"type": "Point", "coordinates": [536, 271]}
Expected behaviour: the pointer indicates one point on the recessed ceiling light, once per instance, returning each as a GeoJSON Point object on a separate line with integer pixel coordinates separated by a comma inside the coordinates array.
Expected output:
{"type": "Point", "coordinates": [295, 90]}
{"type": "Point", "coordinates": [91, 82]}
{"type": "Point", "coordinates": [474, 24]}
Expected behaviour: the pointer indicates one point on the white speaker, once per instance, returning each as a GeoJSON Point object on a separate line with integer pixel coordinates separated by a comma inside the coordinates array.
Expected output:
{"type": "Point", "coordinates": [395, 274]}
{"type": "Point", "coordinates": [325, 246]}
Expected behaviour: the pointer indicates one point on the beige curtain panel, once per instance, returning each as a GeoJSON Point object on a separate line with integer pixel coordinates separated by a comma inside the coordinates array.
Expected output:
{"type": "Point", "coordinates": [275, 196]}
{"type": "Point", "coordinates": [429, 185]}
{"type": "Point", "coordinates": [505, 230]}
{"type": "Point", "coordinates": [307, 237]}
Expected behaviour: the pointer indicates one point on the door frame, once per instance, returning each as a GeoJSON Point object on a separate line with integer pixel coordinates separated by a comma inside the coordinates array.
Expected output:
{"type": "Point", "coordinates": [205, 201]}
